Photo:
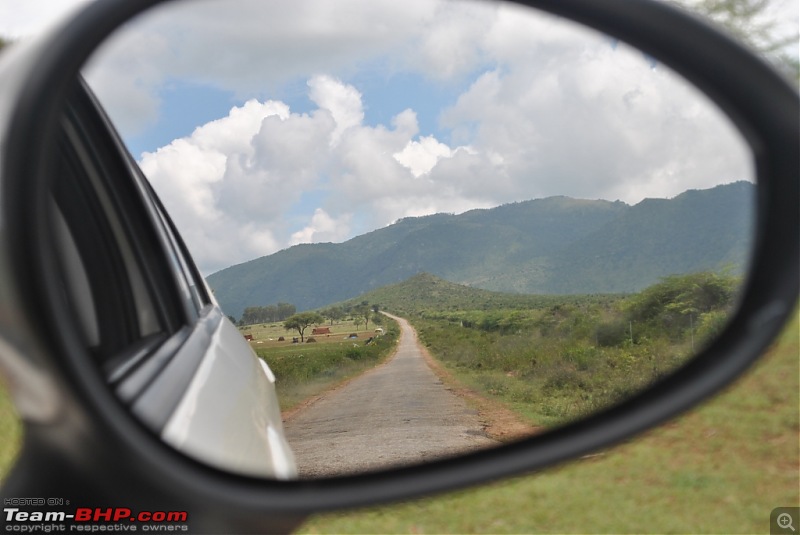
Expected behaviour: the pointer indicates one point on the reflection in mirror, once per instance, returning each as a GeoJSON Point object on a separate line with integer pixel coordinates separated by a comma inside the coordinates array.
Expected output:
{"type": "Point", "coordinates": [442, 225]}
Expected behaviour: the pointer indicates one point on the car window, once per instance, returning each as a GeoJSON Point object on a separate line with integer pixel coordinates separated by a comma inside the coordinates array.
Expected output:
{"type": "Point", "coordinates": [193, 289]}
{"type": "Point", "coordinates": [117, 282]}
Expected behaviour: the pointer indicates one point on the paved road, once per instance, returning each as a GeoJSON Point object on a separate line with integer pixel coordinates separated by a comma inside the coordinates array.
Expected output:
{"type": "Point", "coordinates": [397, 413]}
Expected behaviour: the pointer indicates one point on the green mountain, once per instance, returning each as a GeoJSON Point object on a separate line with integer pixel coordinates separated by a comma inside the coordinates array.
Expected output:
{"type": "Point", "coordinates": [556, 245]}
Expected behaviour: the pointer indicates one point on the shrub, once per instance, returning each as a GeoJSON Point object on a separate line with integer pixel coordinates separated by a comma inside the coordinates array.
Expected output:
{"type": "Point", "coordinates": [611, 333]}
{"type": "Point", "coordinates": [710, 325]}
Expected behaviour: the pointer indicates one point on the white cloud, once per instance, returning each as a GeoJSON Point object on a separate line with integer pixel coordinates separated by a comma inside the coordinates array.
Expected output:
{"type": "Point", "coordinates": [421, 156]}
{"type": "Point", "coordinates": [187, 174]}
{"type": "Point", "coordinates": [236, 187]}
{"type": "Point", "coordinates": [342, 101]}
{"type": "Point", "coordinates": [539, 112]}
{"type": "Point", "coordinates": [323, 228]}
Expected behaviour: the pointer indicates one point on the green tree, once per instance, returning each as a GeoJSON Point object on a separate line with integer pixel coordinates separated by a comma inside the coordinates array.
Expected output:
{"type": "Point", "coordinates": [333, 314]}
{"type": "Point", "coordinates": [752, 22]}
{"type": "Point", "coordinates": [299, 322]}
{"type": "Point", "coordinates": [676, 302]}
{"type": "Point", "coordinates": [365, 311]}
{"type": "Point", "coordinates": [285, 310]}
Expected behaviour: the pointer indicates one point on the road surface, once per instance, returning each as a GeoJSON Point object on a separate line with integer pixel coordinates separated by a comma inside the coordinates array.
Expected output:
{"type": "Point", "coordinates": [397, 413]}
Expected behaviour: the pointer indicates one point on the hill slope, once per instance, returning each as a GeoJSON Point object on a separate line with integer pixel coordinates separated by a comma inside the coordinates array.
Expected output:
{"type": "Point", "coordinates": [428, 292]}
{"type": "Point", "coordinates": [553, 245]}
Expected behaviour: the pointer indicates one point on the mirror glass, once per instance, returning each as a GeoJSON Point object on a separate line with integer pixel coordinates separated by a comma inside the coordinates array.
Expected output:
{"type": "Point", "coordinates": [442, 225]}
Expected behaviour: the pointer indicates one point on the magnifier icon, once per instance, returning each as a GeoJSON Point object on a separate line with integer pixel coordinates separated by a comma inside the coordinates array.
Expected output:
{"type": "Point", "coordinates": [785, 521]}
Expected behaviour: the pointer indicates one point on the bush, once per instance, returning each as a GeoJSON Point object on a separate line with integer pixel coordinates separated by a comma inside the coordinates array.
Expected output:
{"type": "Point", "coordinates": [612, 333]}
{"type": "Point", "coordinates": [669, 305]}
{"type": "Point", "coordinates": [354, 353]}
{"type": "Point", "coordinates": [710, 325]}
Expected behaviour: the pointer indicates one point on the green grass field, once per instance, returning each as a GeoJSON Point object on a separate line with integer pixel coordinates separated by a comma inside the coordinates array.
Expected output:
{"type": "Point", "coordinates": [266, 335]}
{"type": "Point", "coordinates": [718, 469]}
{"type": "Point", "coordinates": [304, 370]}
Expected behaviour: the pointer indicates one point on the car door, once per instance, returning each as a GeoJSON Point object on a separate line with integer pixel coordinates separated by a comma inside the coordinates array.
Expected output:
{"type": "Point", "coordinates": [145, 314]}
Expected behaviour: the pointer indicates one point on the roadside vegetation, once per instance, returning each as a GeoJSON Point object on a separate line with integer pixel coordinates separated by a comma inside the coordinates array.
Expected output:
{"type": "Point", "coordinates": [718, 469]}
{"type": "Point", "coordinates": [316, 363]}
{"type": "Point", "coordinates": [557, 363]}
{"type": "Point", "coordinates": [553, 359]}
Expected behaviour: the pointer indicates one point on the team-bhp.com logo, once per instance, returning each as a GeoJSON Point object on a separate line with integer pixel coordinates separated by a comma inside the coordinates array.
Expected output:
{"type": "Point", "coordinates": [20, 519]}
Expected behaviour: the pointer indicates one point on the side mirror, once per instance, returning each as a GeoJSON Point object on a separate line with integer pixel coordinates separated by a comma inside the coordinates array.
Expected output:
{"type": "Point", "coordinates": [105, 443]}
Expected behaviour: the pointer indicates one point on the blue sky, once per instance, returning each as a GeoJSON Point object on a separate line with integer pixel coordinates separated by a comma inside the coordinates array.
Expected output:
{"type": "Point", "coordinates": [186, 105]}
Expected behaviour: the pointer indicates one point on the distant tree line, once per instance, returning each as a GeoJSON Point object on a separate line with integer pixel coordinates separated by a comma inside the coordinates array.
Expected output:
{"type": "Point", "coordinates": [267, 314]}
{"type": "Point", "coordinates": [361, 313]}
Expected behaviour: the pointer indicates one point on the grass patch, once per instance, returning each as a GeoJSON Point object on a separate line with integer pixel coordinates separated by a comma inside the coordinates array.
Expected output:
{"type": "Point", "coordinates": [305, 370]}
{"type": "Point", "coordinates": [548, 379]}
{"type": "Point", "coordinates": [718, 469]}
{"type": "Point", "coordinates": [10, 432]}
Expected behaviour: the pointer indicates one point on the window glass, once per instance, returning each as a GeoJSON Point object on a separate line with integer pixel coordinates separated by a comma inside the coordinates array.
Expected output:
{"type": "Point", "coordinates": [105, 274]}
{"type": "Point", "coordinates": [194, 287]}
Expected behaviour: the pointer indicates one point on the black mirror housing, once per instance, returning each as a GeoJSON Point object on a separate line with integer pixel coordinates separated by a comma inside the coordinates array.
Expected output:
{"type": "Point", "coordinates": [105, 458]}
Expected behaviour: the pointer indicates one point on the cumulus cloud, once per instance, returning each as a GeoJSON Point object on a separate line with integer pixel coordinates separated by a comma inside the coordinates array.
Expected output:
{"type": "Point", "coordinates": [342, 101]}
{"type": "Point", "coordinates": [323, 228]}
{"type": "Point", "coordinates": [539, 111]}
{"type": "Point", "coordinates": [236, 187]}
{"type": "Point", "coordinates": [421, 156]}
{"type": "Point", "coordinates": [250, 48]}
{"type": "Point", "coordinates": [187, 173]}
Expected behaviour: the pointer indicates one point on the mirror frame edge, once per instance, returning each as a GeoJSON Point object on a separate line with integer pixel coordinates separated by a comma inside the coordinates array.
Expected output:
{"type": "Point", "coordinates": [770, 125]}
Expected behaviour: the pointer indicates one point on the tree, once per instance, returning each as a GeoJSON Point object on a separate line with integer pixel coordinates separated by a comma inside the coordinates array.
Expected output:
{"type": "Point", "coordinates": [267, 314]}
{"type": "Point", "coordinates": [301, 321]}
{"type": "Point", "coordinates": [285, 310]}
{"type": "Point", "coordinates": [250, 315]}
{"type": "Point", "coordinates": [365, 311]}
{"type": "Point", "coordinates": [752, 22]}
{"type": "Point", "coordinates": [333, 314]}
{"type": "Point", "coordinates": [676, 302]}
